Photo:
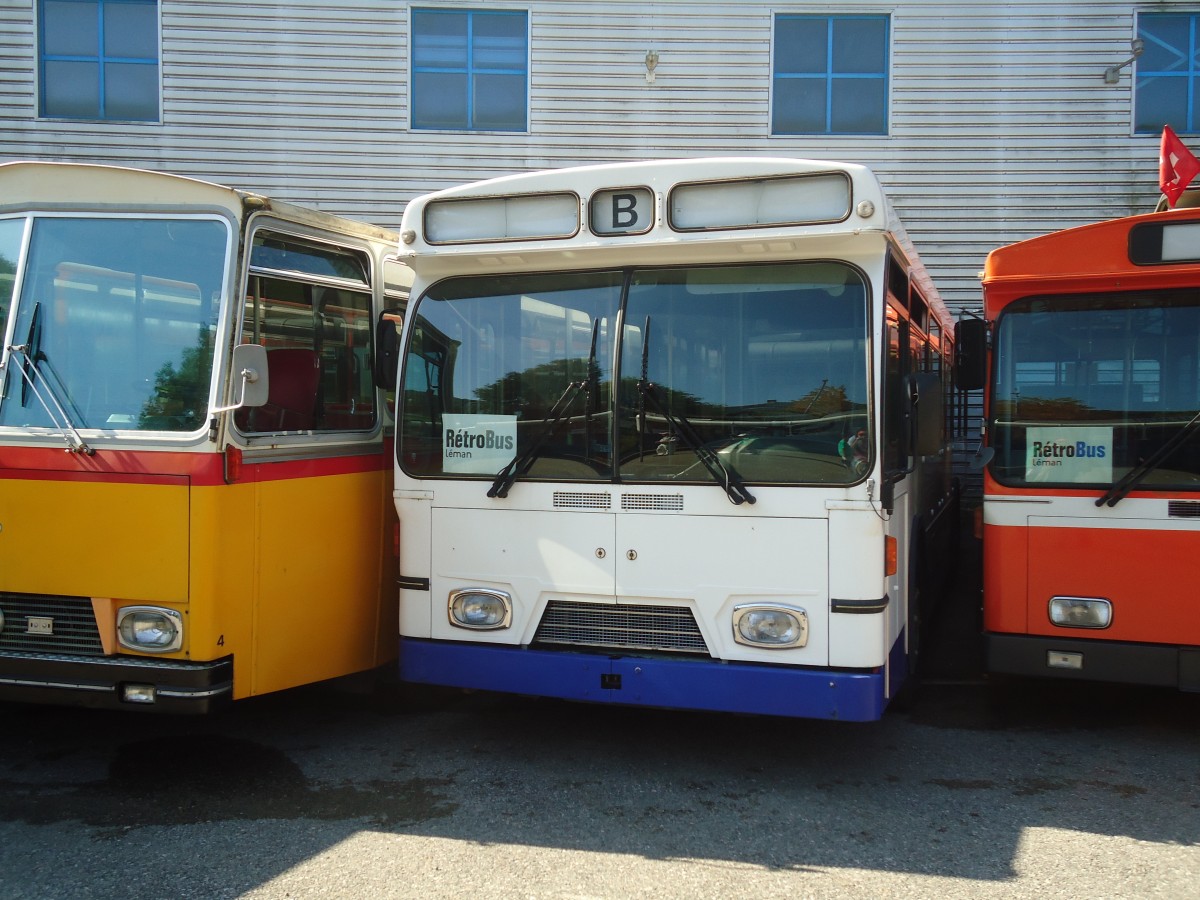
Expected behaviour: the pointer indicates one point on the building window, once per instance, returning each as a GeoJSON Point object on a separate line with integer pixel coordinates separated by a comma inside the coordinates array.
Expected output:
{"type": "Point", "coordinates": [1167, 88]}
{"type": "Point", "coordinates": [470, 69]}
{"type": "Point", "coordinates": [830, 75]}
{"type": "Point", "coordinates": [98, 59]}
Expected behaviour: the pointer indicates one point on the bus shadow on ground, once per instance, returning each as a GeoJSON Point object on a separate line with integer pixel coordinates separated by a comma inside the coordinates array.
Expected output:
{"type": "Point", "coordinates": [949, 788]}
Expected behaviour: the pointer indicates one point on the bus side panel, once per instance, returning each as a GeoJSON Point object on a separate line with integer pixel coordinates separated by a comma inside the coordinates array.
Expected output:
{"type": "Point", "coordinates": [1152, 601]}
{"type": "Point", "coordinates": [415, 514]}
{"type": "Point", "coordinates": [856, 556]}
{"type": "Point", "coordinates": [222, 610]}
{"type": "Point", "coordinates": [114, 536]}
{"type": "Point", "coordinates": [1005, 574]}
{"type": "Point", "coordinates": [320, 544]}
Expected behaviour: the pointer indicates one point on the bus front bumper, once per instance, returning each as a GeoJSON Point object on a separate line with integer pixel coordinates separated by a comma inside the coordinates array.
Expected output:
{"type": "Point", "coordinates": [1118, 662]}
{"type": "Point", "coordinates": [126, 683]}
{"type": "Point", "coordinates": [697, 684]}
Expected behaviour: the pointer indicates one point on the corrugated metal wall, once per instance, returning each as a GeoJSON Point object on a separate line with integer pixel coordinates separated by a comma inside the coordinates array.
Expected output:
{"type": "Point", "coordinates": [1001, 124]}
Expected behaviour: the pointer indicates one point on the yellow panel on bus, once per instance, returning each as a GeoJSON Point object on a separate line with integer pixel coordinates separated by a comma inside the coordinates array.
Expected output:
{"type": "Point", "coordinates": [119, 537]}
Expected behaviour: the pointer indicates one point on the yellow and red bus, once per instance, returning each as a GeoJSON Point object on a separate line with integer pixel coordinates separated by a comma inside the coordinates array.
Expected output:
{"type": "Point", "coordinates": [1091, 507]}
{"type": "Point", "coordinates": [195, 456]}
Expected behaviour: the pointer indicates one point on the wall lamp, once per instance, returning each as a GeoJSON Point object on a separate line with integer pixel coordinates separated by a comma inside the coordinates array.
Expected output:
{"type": "Point", "coordinates": [1113, 73]}
{"type": "Point", "coordinates": [651, 65]}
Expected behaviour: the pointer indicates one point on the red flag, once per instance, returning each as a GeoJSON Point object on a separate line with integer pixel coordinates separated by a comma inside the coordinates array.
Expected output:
{"type": "Point", "coordinates": [1176, 166]}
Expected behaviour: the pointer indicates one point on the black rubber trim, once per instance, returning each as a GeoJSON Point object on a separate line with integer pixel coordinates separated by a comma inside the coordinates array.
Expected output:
{"type": "Point", "coordinates": [859, 607]}
{"type": "Point", "coordinates": [1118, 662]}
{"type": "Point", "coordinates": [181, 686]}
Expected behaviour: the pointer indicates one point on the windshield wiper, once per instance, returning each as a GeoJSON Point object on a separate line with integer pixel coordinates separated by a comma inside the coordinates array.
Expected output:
{"type": "Point", "coordinates": [1134, 476]}
{"type": "Point", "coordinates": [520, 463]}
{"type": "Point", "coordinates": [31, 354]}
{"type": "Point", "coordinates": [722, 474]}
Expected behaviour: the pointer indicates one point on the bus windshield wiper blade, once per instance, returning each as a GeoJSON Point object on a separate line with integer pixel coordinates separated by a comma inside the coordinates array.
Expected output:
{"type": "Point", "coordinates": [520, 463]}
{"type": "Point", "coordinates": [722, 474]}
{"type": "Point", "coordinates": [47, 396]}
{"type": "Point", "coordinates": [1134, 476]}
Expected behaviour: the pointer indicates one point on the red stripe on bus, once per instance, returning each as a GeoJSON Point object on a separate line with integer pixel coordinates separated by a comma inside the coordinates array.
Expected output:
{"type": "Point", "coordinates": [166, 467]}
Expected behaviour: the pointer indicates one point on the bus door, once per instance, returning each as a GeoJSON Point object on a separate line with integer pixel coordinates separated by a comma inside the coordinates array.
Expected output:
{"type": "Point", "coordinates": [313, 453]}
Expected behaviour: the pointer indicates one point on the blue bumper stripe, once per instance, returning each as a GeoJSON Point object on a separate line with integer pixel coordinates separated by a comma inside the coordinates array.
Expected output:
{"type": "Point", "coordinates": [675, 683]}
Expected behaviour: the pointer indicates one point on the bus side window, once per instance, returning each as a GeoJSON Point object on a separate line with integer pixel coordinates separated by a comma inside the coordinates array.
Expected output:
{"type": "Point", "coordinates": [310, 306]}
{"type": "Point", "coordinates": [894, 457]}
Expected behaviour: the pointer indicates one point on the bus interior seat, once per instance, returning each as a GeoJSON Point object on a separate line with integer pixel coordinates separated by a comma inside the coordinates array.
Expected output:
{"type": "Point", "coordinates": [294, 374]}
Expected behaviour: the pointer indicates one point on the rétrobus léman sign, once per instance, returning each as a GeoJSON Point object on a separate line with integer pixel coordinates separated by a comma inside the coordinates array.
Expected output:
{"type": "Point", "coordinates": [477, 444]}
{"type": "Point", "coordinates": [1073, 454]}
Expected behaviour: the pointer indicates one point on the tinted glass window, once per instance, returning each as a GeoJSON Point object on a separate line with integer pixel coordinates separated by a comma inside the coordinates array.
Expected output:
{"type": "Point", "coordinates": [470, 69]}
{"type": "Point", "coordinates": [99, 59]}
{"type": "Point", "coordinates": [830, 75]}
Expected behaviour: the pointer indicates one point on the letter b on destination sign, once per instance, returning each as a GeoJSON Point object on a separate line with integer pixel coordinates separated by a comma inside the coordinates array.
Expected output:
{"type": "Point", "coordinates": [621, 211]}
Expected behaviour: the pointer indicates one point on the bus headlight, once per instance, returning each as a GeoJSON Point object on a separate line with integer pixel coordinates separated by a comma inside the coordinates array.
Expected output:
{"type": "Point", "coordinates": [1080, 612]}
{"type": "Point", "coordinates": [770, 626]}
{"type": "Point", "coordinates": [480, 609]}
{"type": "Point", "coordinates": [150, 629]}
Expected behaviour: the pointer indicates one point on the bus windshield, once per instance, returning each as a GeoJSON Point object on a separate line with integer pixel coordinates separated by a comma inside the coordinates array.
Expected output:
{"type": "Point", "coordinates": [764, 366]}
{"type": "Point", "coordinates": [1089, 387]}
{"type": "Point", "coordinates": [10, 249]}
{"type": "Point", "coordinates": [114, 324]}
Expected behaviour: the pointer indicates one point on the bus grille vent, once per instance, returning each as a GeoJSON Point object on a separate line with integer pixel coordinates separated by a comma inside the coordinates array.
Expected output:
{"type": "Point", "coordinates": [668, 502]}
{"type": "Point", "coordinates": [60, 625]}
{"type": "Point", "coordinates": [620, 626]}
{"type": "Point", "coordinates": [1183, 509]}
{"type": "Point", "coordinates": [582, 500]}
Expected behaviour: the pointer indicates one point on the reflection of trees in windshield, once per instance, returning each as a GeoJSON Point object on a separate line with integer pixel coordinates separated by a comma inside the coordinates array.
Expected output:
{"type": "Point", "coordinates": [818, 403]}
{"type": "Point", "coordinates": [180, 399]}
{"type": "Point", "coordinates": [1041, 409]}
{"type": "Point", "coordinates": [824, 401]}
{"type": "Point", "coordinates": [534, 391]}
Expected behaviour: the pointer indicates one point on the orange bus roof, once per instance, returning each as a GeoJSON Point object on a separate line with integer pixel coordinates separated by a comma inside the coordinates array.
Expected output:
{"type": "Point", "coordinates": [1088, 258]}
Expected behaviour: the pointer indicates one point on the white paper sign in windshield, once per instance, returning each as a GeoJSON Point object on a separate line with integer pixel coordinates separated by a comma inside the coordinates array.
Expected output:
{"type": "Point", "coordinates": [477, 444]}
{"type": "Point", "coordinates": [1071, 454]}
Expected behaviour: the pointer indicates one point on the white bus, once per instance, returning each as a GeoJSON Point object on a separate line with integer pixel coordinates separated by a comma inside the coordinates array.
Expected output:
{"type": "Point", "coordinates": [671, 434]}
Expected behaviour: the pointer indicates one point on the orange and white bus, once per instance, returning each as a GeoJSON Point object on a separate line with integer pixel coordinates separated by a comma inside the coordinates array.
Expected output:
{"type": "Point", "coordinates": [671, 434]}
{"type": "Point", "coordinates": [1092, 492]}
{"type": "Point", "coordinates": [195, 465]}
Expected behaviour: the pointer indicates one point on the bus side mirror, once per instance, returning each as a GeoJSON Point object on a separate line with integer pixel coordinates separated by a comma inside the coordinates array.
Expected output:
{"type": "Point", "coordinates": [248, 371]}
{"type": "Point", "coordinates": [928, 413]}
{"type": "Point", "coordinates": [387, 349]}
{"type": "Point", "coordinates": [970, 354]}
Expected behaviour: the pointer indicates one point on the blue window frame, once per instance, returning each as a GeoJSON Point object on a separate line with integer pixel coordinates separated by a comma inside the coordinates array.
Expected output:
{"type": "Point", "coordinates": [98, 59]}
{"type": "Point", "coordinates": [470, 69]}
{"type": "Point", "coordinates": [1167, 86]}
{"type": "Point", "coordinates": [830, 75]}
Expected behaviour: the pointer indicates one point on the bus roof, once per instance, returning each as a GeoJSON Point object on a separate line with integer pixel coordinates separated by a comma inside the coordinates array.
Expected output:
{"type": "Point", "coordinates": [1101, 256]}
{"type": "Point", "coordinates": [48, 186]}
{"type": "Point", "coordinates": [551, 215]}
{"type": "Point", "coordinates": [460, 219]}
{"type": "Point", "coordinates": [659, 175]}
